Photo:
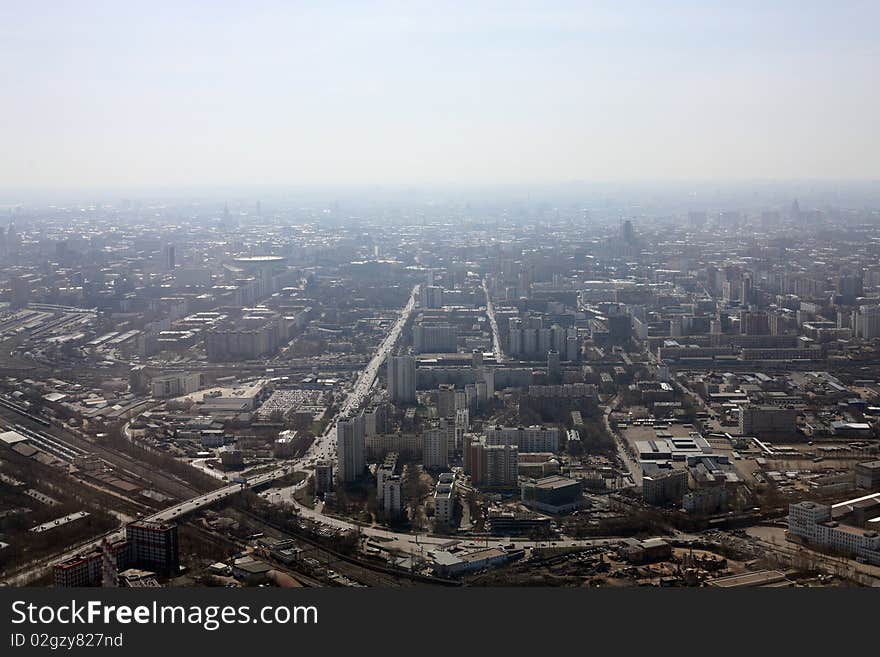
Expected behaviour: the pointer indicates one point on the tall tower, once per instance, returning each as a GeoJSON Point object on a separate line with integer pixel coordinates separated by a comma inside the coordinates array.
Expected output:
{"type": "Point", "coordinates": [627, 232]}
{"type": "Point", "coordinates": [554, 367]}
{"type": "Point", "coordinates": [169, 257]}
{"type": "Point", "coordinates": [350, 434]}
{"type": "Point", "coordinates": [402, 379]}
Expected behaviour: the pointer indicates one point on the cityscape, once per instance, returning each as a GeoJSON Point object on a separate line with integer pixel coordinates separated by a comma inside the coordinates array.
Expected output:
{"type": "Point", "coordinates": [449, 390]}
{"type": "Point", "coordinates": [466, 305]}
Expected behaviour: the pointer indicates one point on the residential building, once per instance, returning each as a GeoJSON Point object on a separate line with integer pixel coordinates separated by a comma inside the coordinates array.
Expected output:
{"type": "Point", "coordinates": [812, 522]}
{"type": "Point", "coordinates": [350, 435]}
{"type": "Point", "coordinates": [323, 477]}
{"type": "Point", "coordinates": [665, 487]}
{"type": "Point", "coordinates": [402, 379]}
{"type": "Point", "coordinates": [154, 546]}
{"type": "Point", "coordinates": [435, 338]}
{"type": "Point", "coordinates": [392, 496]}
{"type": "Point", "coordinates": [435, 448]}
{"type": "Point", "coordinates": [868, 475]}
{"type": "Point", "coordinates": [444, 499]}
{"type": "Point", "coordinates": [527, 439]}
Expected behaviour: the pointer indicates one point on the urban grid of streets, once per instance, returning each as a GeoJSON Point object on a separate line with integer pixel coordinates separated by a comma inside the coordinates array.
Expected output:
{"type": "Point", "coordinates": [651, 347]}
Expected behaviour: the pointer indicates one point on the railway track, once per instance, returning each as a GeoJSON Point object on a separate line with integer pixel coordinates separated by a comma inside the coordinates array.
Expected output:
{"type": "Point", "coordinates": [167, 484]}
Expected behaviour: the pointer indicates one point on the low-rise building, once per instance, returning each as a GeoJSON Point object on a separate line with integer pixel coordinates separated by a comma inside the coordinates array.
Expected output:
{"type": "Point", "coordinates": [868, 475]}
{"type": "Point", "coordinates": [812, 523]}
{"type": "Point", "coordinates": [665, 487]}
{"type": "Point", "coordinates": [554, 494]}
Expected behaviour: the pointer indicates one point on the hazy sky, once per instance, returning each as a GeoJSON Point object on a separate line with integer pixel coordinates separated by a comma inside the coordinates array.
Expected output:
{"type": "Point", "coordinates": [119, 94]}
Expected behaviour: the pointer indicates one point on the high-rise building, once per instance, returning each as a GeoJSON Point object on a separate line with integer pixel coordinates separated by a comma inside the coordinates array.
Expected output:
{"type": "Point", "coordinates": [446, 400]}
{"type": "Point", "coordinates": [866, 322]}
{"type": "Point", "coordinates": [430, 296]}
{"type": "Point", "coordinates": [746, 294]}
{"type": "Point", "coordinates": [435, 448]}
{"type": "Point", "coordinates": [665, 487]}
{"type": "Point", "coordinates": [697, 219]}
{"type": "Point", "coordinates": [168, 257]}
{"type": "Point", "coordinates": [627, 232]}
{"type": "Point", "coordinates": [444, 499]}
{"type": "Point", "coordinates": [385, 470]}
{"type": "Point", "coordinates": [154, 546]}
{"type": "Point", "coordinates": [619, 328]}
{"type": "Point", "coordinates": [392, 497]}
{"type": "Point", "coordinates": [20, 291]}
{"type": "Point", "coordinates": [493, 466]}
{"type": "Point", "coordinates": [754, 322]}
{"type": "Point", "coordinates": [527, 439]}
{"type": "Point", "coordinates": [435, 338]}
{"type": "Point", "coordinates": [376, 419]}
{"type": "Point", "coordinates": [350, 434]}
{"type": "Point", "coordinates": [554, 368]}
{"type": "Point", "coordinates": [402, 379]}
{"type": "Point", "coordinates": [323, 477]}
{"type": "Point", "coordinates": [767, 419]}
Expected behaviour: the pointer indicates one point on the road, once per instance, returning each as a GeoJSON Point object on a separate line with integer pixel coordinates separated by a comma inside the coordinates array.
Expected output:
{"type": "Point", "coordinates": [496, 336]}
{"type": "Point", "coordinates": [188, 506]}
{"type": "Point", "coordinates": [367, 378]}
{"type": "Point", "coordinates": [324, 447]}
{"type": "Point", "coordinates": [37, 569]}
{"type": "Point", "coordinates": [419, 543]}
{"type": "Point", "coordinates": [125, 464]}
{"type": "Point", "coordinates": [635, 471]}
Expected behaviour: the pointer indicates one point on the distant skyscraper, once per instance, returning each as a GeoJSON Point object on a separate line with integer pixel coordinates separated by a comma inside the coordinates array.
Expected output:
{"type": "Point", "coordinates": [554, 368]}
{"type": "Point", "coordinates": [697, 219]}
{"type": "Point", "coordinates": [430, 296]}
{"type": "Point", "coordinates": [20, 291]}
{"type": "Point", "coordinates": [402, 379]}
{"type": "Point", "coordinates": [745, 295]}
{"type": "Point", "coordinates": [169, 257]}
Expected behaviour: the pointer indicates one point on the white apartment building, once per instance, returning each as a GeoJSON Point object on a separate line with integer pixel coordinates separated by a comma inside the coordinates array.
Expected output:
{"type": "Point", "coordinates": [812, 522]}
{"type": "Point", "coordinates": [444, 499]}
{"type": "Point", "coordinates": [392, 497]}
{"type": "Point", "coordinates": [527, 439]}
{"type": "Point", "coordinates": [435, 448]}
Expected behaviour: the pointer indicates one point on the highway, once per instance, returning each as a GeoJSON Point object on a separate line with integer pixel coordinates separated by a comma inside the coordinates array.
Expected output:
{"type": "Point", "coordinates": [419, 543]}
{"type": "Point", "coordinates": [635, 470]}
{"type": "Point", "coordinates": [367, 378]}
{"type": "Point", "coordinates": [324, 447]}
{"type": "Point", "coordinates": [37, 569]}
{"type": "Point", "coordinates": [496, 336]}
{"type": "Point", "coordinates": [188, 506]}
